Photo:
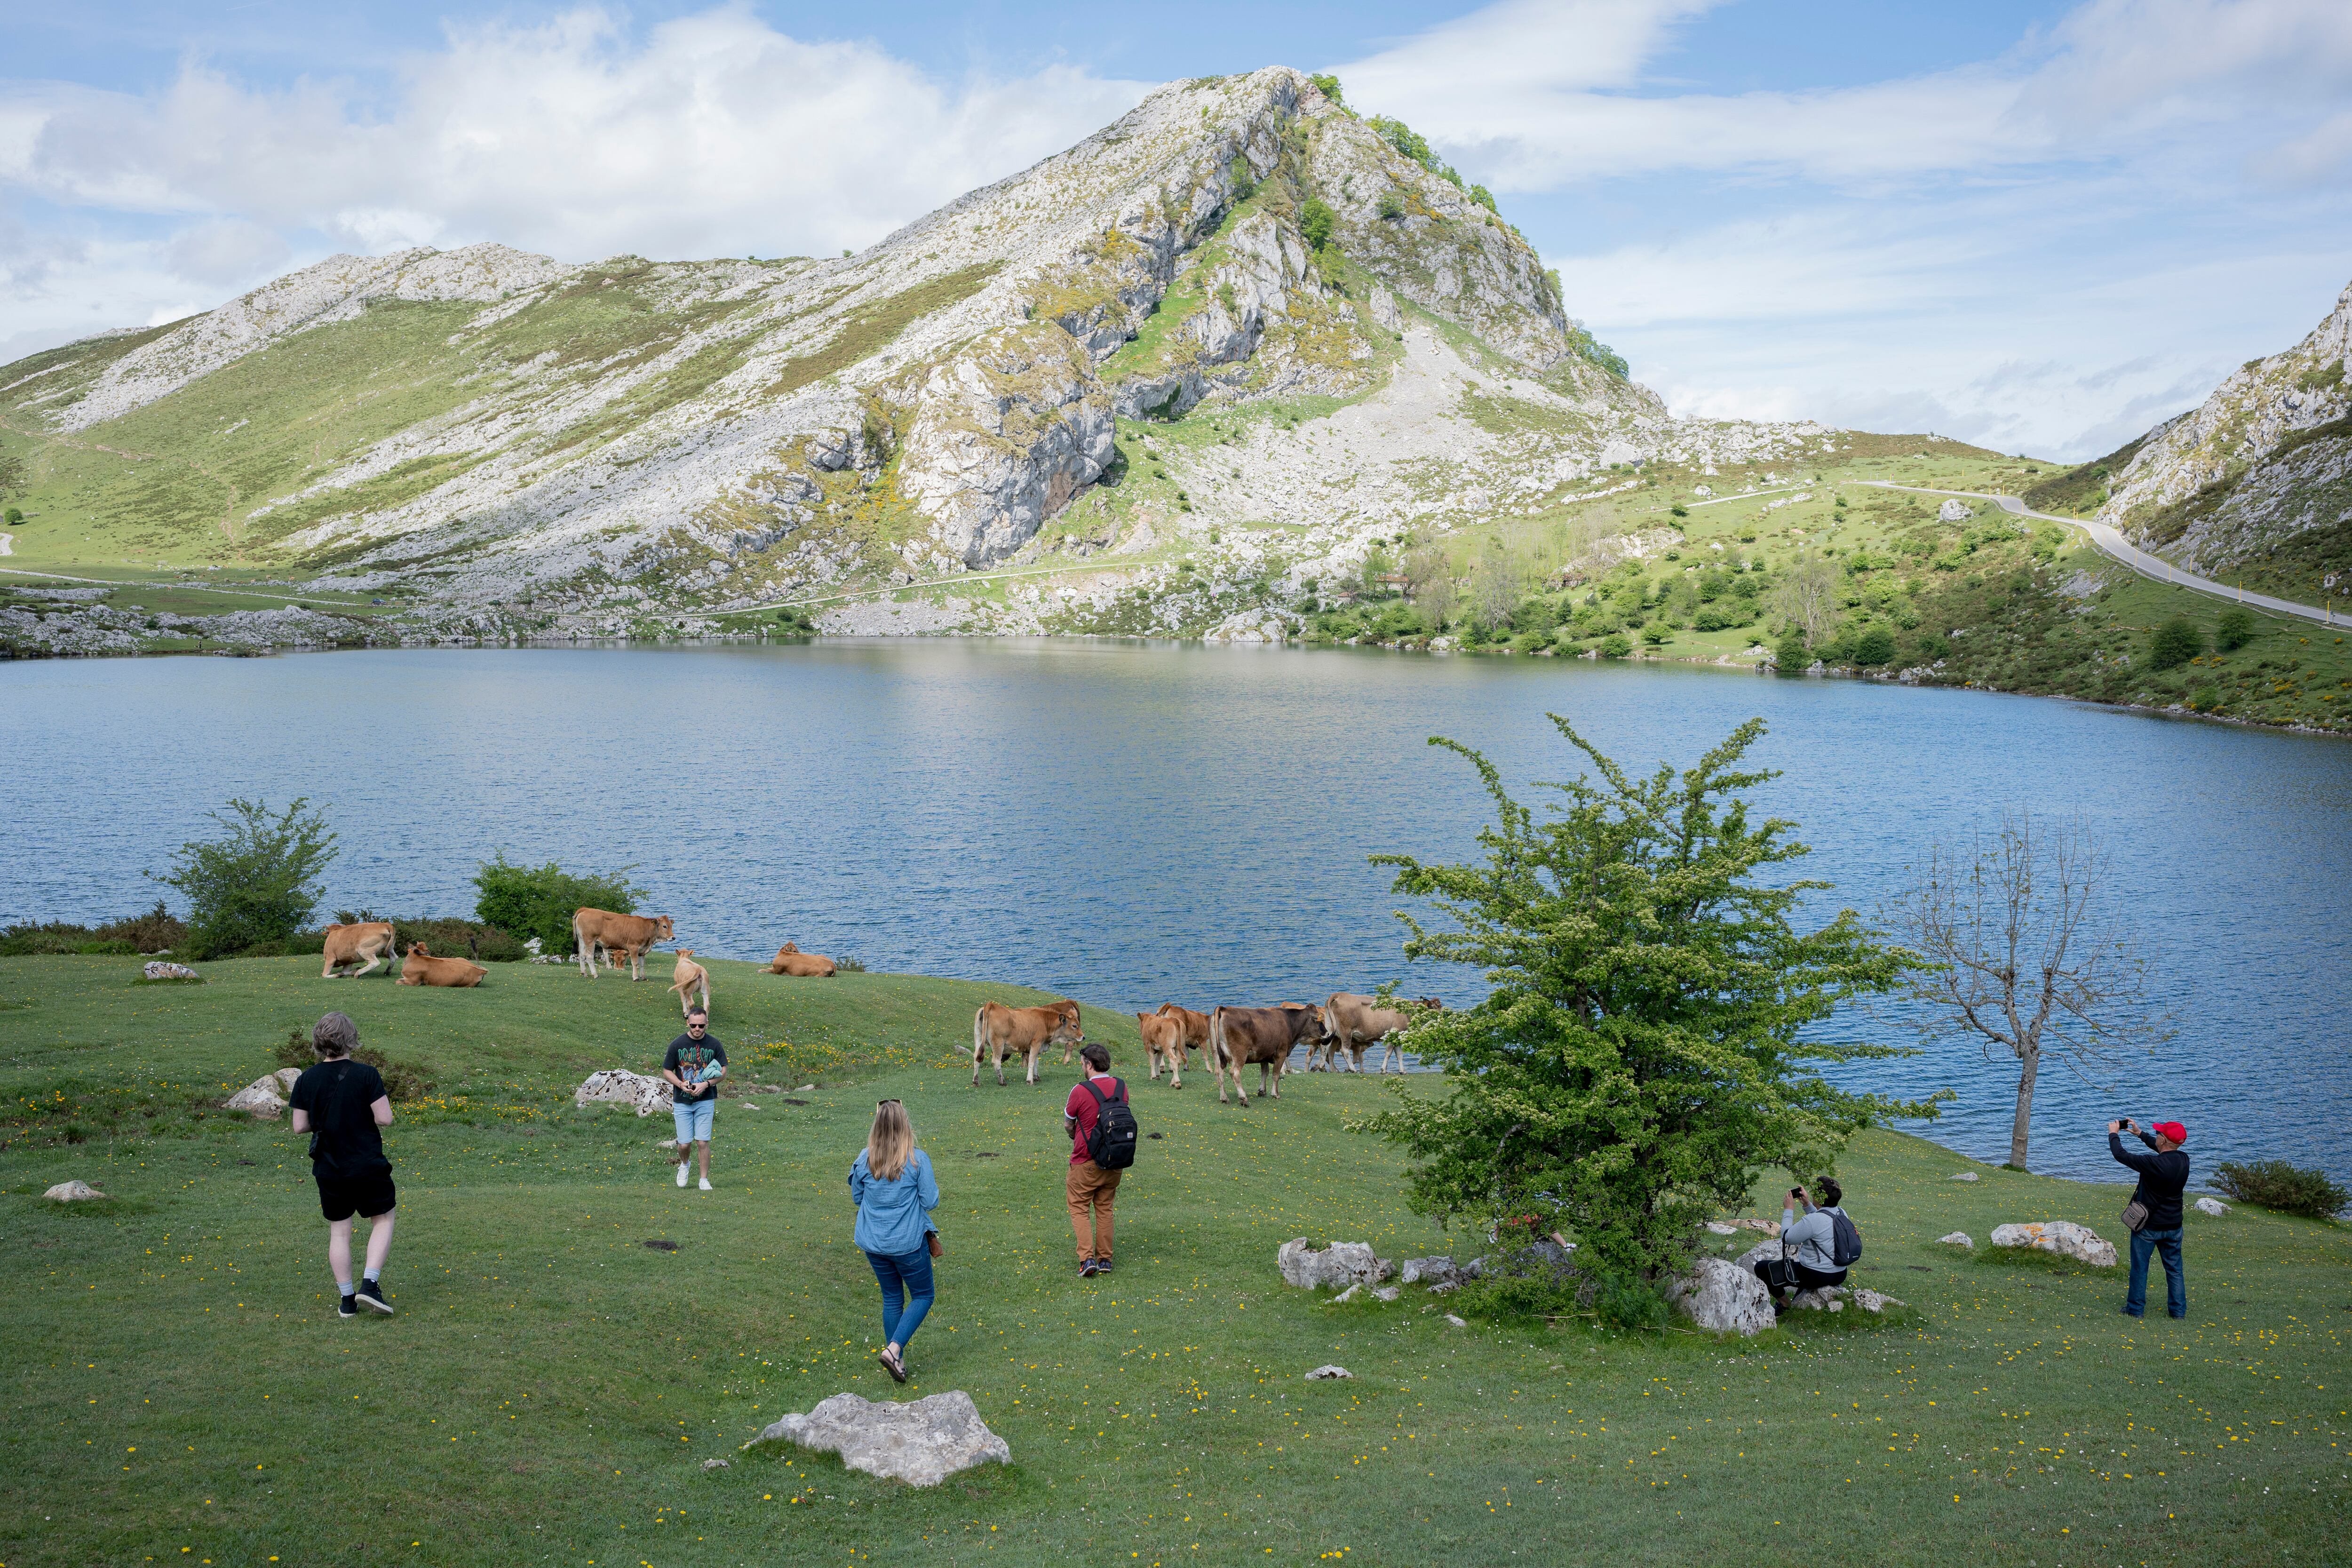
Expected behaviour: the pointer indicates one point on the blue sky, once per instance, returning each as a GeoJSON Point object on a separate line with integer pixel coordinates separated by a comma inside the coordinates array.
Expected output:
{"type": "Point", "coordinates": [2039, 226]}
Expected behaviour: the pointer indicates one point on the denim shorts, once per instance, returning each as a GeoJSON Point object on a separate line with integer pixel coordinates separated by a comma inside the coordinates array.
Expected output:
{"type": "Point", "coordinates": [693, 1119]}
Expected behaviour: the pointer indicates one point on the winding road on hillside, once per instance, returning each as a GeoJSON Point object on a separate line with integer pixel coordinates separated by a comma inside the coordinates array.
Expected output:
{"type": "Point", "coordinates": [2155, 566]}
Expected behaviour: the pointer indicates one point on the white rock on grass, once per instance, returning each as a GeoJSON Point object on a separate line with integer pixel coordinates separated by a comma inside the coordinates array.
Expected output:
{"type": "Point", "coordinates": [1457, 1323]}
{"type": "Point", "coordinates": [1426, 1270]}
{"type": "Point", "coordinates": [1966, 1176]}
{"type": "Point", "coordinates": [1323, 1373]}
{"type": "Point", "coordinates": [265, 1096]}
{"type": "Point", "coordinates": [1350, 1294]}
{"type": "Point", "coordinates": [2213, 1206]}
{"type": "Point", "coordinates": [72, 1191]}
{"type": "Point", "coordinates": [1957, 1238]}
{"type": "Point", "coordinates": [1723, 1298]}
{"type": "Point", "coordinates": [1340, 1264]}
{"type": "Point", "coordinates": [1747, 1260]}
{"type": "Point", "coordinates": [923, 1442]}
{"type": "Point", "coordinates": [1871, 1301]}
{"type": "Point", "coordinates": [1386, 1293]}
{"type": "Point", "coordinates": [164, 971]}
{"type": "Point", "coordinates": [618, 1086]}
{"type": "Point", "coordinates": [2063, 1237]}
{"type": "Point", "coordinates": [1719, 1229]}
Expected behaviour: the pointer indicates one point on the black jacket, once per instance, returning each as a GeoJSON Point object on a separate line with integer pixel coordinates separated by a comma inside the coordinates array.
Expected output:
{"type": "Point", "coordinates": [2162, 1175]}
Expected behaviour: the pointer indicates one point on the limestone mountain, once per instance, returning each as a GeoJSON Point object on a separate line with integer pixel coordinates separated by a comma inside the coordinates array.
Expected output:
{"type": "Point", "coordinates": [525, 444]}
{"type": "Point", "coordinates": [2255, 482]}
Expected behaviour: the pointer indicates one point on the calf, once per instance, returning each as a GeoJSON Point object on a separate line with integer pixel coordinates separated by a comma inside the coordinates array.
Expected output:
{"type": "Point", "coordinates": [687, 977]}
{"type": "Point", "coordinates": [421, 968]}
{"type": "Point", "coordinates": [1163, 1035]}
{"type": "Point", "coordinates": [791, 960]}
{"type": "Point", "coordinates": [364, 941]}
{"type": "Point", "coordinates": [998, 1031]}
{"type": "Point", "coordinates": [1266, 1035]}
{"type": "Point", "coordinates": [1356, 1023]}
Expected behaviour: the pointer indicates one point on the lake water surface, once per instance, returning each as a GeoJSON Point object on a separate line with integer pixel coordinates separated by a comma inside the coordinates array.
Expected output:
{"type": "Point", "coordinates": [1131, 824]}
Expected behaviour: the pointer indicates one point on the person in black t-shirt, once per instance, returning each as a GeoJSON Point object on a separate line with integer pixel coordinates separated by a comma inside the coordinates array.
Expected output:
{"type": "Point", "coordinates": [2163, 1176]}
{"type": "Point", "coordinates": [341, 1104]}
{"type": "Point", "coordinates": [696, 1063]}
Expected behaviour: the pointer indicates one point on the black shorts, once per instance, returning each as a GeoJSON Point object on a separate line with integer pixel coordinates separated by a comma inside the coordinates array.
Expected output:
{"type": "Point", "coordinates": [339, 1197]}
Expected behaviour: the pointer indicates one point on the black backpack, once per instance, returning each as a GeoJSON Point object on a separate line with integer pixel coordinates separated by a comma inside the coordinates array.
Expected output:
{"type": "Point", "coordinates": [1111, 1144]}
{"type": "Point", "coordinates": [1846, 1242]}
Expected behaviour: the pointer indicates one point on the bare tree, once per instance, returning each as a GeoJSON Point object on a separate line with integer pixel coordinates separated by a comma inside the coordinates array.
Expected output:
{"type": "Point", "coordinates": [1495, 587]}
{"type": "Point", "coordinates": [2029, 954]}
{"type": "Point", "coordinates": [1429, 581]}
{"type": "Point", "coordinates": [1808, 594]}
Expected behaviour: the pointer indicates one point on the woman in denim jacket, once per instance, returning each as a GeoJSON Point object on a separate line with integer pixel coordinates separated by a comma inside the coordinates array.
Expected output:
{"type": "Point", "coordinates": [892, 1185]}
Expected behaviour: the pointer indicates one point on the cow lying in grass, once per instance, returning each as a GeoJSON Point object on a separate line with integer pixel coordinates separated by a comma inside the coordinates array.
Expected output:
{"type": "Point", "coordinates": [365, 942]}
{"type": "Point", "coordinates": [1355, 1023]}
{"type": "Point", "coordinates": [1239, 1037]}
{"type": "Point", "coordinates": [421, 968]}
{"type": "Point", "coordinates": [998, 1031]}
{"type": "Point", "coordinates": [690, 976]}
{"type": "Point", "coordinates": [791, 960]}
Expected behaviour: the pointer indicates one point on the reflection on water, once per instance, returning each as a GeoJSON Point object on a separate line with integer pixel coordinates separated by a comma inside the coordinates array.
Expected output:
{"type": "Point", "coordinates": [1132, 825]}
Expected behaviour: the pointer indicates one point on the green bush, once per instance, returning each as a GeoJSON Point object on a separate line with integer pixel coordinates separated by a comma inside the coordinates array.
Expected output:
{"type": "Point", "coordinates": [1711, 619]}
{"type": "Point", "coordinates": [58, 939]}
{"type": "Point", "coordinates": [1315, 221]}
{"type": "Point", "coordinates": [1875, 646]}
{"type": "Point", "coordinates": [2235, 629]}
{"type": "Point", "coordinates": [401, 1081]}
{"type": "Point", "coordinates": [1791, 654]}
{"type": "Point", "coordinates": [2277, 1185]}
{"type": "Point", "coordinates": [2175, 643]}
{"type": "Point", "coordinates": [1657, 633]}
{"type": "Point", "coordinates": [1616, 646]}
{"type": "Point", "coordinates": [464, 939]}
{"type": "Point", "coordinates": [1329, 86]}
{"type": "Point", "coordinates": [1681, 511]}
{"type": "Point", "coordinates": [257, 884]}
{"type": "Point", "coordinates": [541, 901]}
{"type": "Point", "coordinates": [1391, 205]}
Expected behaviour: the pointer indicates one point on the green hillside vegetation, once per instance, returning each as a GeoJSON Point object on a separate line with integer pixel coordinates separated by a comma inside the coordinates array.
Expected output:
{"type": "Point", "coordinates": [552, 1386]}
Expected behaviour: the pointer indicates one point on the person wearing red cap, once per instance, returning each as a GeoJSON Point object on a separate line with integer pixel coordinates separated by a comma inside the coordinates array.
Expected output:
{"type": "Point", "coordinates": [2163, 1175]}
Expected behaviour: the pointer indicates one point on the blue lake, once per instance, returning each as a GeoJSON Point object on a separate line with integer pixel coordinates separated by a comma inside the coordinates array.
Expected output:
{"type": "Point", "coordinates": [1131, 824]}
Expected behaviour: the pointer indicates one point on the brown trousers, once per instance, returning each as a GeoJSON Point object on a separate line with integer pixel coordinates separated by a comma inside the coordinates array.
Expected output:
{"type": "Point", "coordinates": [1091, 1189]}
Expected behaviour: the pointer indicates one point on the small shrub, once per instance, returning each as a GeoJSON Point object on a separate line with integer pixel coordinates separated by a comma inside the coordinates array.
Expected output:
{"type": "Point", "coordinates": [849, 966]}
{"type": "Point", "coordinates": [157, 930]}
{"type": "Point", "coordinates": [1790, 655]}
{"type": "Point", "coordinates": [539, 902]}
{"type": "Point", "coordinates": [1314, 222]}
{"type": "Point", "coordinates": [401, 1081]}
{"type": "Point", "coordinates": [463, 938]}
{"type": "Point", "coordinates": [1391, 205]}
{"type": "Point", "coordinates": [2235, 629]}
{"type": "Point", "coordinates": [1616, 646]}
{"type": "Point", "coordinates": [2175, 643]}
{"type": "Point", "coordinates": [2276, 1186]}
{"type": "Point", "coordinates": [1874, 646]}
{"type": "Point", "coordinates": [1711, 619]}
{"type": "Point", "coordinates": [2206, 697]}
{"type": "Point", "coordinates": [1656, 635]}
{"type": "Point", "coordinates": [1329, 86]}
{"type": "Point", "coordinates": [258, 882]}
{"type": "Point", "coordinates": [1681, 512]}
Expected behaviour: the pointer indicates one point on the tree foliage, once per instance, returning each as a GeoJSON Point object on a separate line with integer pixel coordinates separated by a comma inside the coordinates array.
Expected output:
{"type": "Point", "coordinates": [256, 883]}
{"type": "Point", "coordinates": [1315, 221]}
{"type": "Point", "coordinates": [1330, 87]}
{"type": "Point", "coordinates": [540, 901]}
{"type": "Point", "coordinates": [1651, 1041]}
{"type": "Point", "coordinates": [2175, 643]}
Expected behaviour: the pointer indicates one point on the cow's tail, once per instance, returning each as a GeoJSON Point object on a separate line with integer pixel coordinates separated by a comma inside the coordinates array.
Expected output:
{"type": "Point", "coordinates": [584, 952]}
{"type": "Point", "coordinates": [1217, 1048]}
{"type": "Point", "coordinates": [979, 1039]}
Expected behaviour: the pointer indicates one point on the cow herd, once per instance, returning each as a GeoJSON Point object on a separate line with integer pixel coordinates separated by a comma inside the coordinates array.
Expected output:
{"type": "Point", "coordinates": [1230, 1039]}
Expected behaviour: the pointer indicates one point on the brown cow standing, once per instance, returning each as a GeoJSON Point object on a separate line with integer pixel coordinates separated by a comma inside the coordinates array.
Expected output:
{"type": "Point", "coordinates": [421, 968]}
{"type": "Point", "coordinates": [364, 941]}
{"type": "Point", "coordinates": [1266, 1035]}
{"type": "Point", "coordinates": [1356, 1023]}
{"type": "Point", "coordinates": [1001, 1031]}
{"type": "Point", "coordinates": [791, 960]}
{"type": "Point", "coordinates": [1163, 1035]}
{"type": "Point", "coordinates": [685, 978]}
{"type": "Point", "coordinates": [632, 934]}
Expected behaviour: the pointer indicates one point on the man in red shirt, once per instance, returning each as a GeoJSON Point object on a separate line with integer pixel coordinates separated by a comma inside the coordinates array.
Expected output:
{"type": "Point", "coordinates": [1090, 1187]}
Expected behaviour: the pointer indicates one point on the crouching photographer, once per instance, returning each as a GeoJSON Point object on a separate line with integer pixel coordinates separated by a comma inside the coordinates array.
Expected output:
{"type": "Point", "coordinates": [1812, 1253]}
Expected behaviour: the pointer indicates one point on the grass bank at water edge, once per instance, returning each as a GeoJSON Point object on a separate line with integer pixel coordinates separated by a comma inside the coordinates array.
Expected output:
{"type": "Point", "coordinates": [179, 1388]}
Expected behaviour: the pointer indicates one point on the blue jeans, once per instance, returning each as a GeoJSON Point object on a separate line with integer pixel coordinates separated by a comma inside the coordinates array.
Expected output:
{"type": "Point", "coordinates": [693, 1119]}
{"type": "Point", "coordinates": [2176, 1278]}
{"type": "Point", "coordinates": [913, 1274]}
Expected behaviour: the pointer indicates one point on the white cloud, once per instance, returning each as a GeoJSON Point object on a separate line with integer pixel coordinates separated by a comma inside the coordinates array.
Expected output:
{"type": "Point", "coordinates": [711, 134]}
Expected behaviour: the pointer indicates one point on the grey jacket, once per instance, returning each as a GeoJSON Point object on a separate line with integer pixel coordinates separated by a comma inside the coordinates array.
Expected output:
{"type": "Point", "coordinates": [1811, 1241]}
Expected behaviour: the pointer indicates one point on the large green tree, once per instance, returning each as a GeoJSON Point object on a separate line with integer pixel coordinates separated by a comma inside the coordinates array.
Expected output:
{"type": "Point", "coordinates": [1653, 1038]}
{"type": "Point", "coordinates": [258, 882]}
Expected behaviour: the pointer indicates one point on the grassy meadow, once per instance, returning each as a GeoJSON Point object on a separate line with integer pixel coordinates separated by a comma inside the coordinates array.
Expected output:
{"type": "Point", "coordinates": [180, 1389]}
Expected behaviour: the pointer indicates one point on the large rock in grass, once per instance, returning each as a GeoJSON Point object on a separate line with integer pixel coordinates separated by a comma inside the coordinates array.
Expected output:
{"type": "Point", "coordinates": [161, 970]}
{"type": "Point", "coordinates": [2063, 1237]}
{"type": "Point", "coordinates": [1341, 1264]}
{"type": "Point", "coordinates": [1723, 1298]}
{"type": "Point", "coordinates": [266, 1096]}
{"type": "Point", "coordinates": [72, 1193]}
{"type": "Point", "coordinates": [618, 1086]}
{"type": "Point", "coordinates": [1427, 1270]}
{"type": "Point", "coordinates": [2213, 1206]}
{"type": "Point", "coordinates": [923, 1442]}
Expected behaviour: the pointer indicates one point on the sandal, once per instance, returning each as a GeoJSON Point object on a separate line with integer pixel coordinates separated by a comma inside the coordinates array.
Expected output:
{"type": "Point", "coordinates": [893, 1365]}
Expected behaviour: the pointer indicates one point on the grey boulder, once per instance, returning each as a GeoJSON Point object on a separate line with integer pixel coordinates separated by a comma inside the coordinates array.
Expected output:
{"type": "Point", "coordinates": [1723, 1298]}
{"type": "Point", "coordinates": [1341, 1264]}
{"type": "Point", "coordinates": [72, 1191]}
{"type": "Point", "coordinates": [2213, 1206]}
{"type": "Point", "coordinates": [1426, 1270]}
{"type": "Point", "coordinates": [923, 1442]}
{"type": "Point", "coordinates": [1957, 1238]}
{"type": "Point", "coordinates": [1322, 1373]}
{"type": "Point", "coordinates": [2063, 1237]}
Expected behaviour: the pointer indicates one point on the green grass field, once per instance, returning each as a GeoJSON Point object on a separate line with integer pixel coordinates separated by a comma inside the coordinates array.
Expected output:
{"type": "Point", "coordinates": [180, 1390]}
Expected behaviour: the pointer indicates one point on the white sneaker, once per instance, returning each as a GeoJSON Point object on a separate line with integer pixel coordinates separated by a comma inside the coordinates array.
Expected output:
{"type": "Point", "coordinates": [706, 1183]}
{"type": "Point", "coordinates": [682, 1173]}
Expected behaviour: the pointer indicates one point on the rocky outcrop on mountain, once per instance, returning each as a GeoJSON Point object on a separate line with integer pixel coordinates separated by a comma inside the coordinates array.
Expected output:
{"type": "Point", "coordinates": [1314, 341]}
{"type": "Point", "coordinates": [2264, 458]}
